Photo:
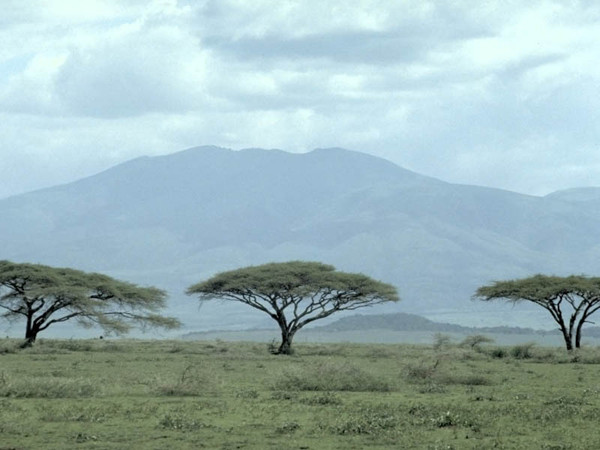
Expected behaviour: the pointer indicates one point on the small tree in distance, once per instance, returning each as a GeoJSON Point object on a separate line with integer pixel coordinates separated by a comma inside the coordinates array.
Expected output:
{"type": "Point", "coordinates": [569, 300]}
{"type": "Point", "coordinates": [45, 296]}
{"type": "Point", "coordinates": [295, 293]}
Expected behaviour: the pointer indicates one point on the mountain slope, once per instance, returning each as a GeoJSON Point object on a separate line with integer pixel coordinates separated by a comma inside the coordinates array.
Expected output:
{"type": "Point", "coordinates": [175, 219]}
{"type": "Point", "coordinates": [587, 194]}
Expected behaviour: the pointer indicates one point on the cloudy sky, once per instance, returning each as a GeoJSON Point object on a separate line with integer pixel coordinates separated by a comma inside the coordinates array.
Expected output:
{"type": "Point", "coordinates": [499, 93]}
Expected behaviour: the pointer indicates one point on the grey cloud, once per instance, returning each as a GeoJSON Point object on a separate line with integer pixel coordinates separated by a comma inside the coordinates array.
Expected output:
{"type": "Point", "coordinates": [412, 92]}
{"type": "Point", "coordinates": [404, 38]}
{"type": "Point", "coordinates": [15, 12]}
{"type": "Point", "coordinates": [364, 47]}
{"type": "Point", "coordinates": [515, 69]}
{"type": "Point", "coordinates": [118, 85]}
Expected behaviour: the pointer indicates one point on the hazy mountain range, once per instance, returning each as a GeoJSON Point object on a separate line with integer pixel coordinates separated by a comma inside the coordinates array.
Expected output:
{"type": "Point", "coordinates": [174, 220]}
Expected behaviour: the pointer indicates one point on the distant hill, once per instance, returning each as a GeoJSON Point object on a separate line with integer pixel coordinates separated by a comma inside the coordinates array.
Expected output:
{"type": "Point", "coordinates": [173, 220]}
{"type": "Point", "coordinates": [413, 322]}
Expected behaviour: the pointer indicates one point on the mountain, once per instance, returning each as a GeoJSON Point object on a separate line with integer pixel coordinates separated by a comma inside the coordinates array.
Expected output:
{"type": "Point", "coordinates": [173, 220]}
{"type": "Point", "coordinates": [414, 322]}
{"type": "Point", "coordinates": [586, 194]}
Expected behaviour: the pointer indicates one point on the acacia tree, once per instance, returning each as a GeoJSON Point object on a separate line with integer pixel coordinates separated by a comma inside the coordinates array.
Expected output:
{"type": "Point", "coordinates": [569, 300]}
{"type": "Point", "coordinates": [45, 296]}
{"type": "Point", "coordinates": [295, 293]}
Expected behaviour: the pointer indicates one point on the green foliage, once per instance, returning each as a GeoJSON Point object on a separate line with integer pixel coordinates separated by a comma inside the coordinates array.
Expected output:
{"type": "Point", "coordinates": [295, 293]}
{"type": "Point", "coordinates": [329, 376]}
{"type": "Point", "coordinates": [497, 352]}
{"type": "Point", "coordinates": [44, 296]}
{"type": "Point", "coordinates": [474, 341]}
{"type": "Point", "coordinates": [323, 399]}
{"type": "Point", "coordinates": [368, 420]}
{"type": "Point", "coordinates": [465, 379]}
{"type": "Point", "coordinates": [295, 278]}
{"type": "Point", "coordinates": [422, 371]}
{"type": "Point", "coordinates": [192, 381]}
{"type": "Point", "coordinates": [569, 300]}
{"type": "Point", "coordinates": [287, 428]}
{"type": "Point", "coordinates": [179, 422]}
{"type": "Point", "coordinates": [446, 419]}
{"type": "Point", "coordinates": [441, 341]}
{"type": "Point", "coordinates": [435, 376]}
{"type": "Point", "coordinates": [45, 387]}
{"type": "Point", "coordinates": [522, 351]}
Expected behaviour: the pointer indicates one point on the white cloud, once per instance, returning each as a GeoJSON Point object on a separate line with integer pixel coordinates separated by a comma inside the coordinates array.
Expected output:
{"type": "Point", "coordinates": [499, 93]}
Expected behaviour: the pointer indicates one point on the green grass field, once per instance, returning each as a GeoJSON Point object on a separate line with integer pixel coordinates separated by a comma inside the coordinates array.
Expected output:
{"type": "Point", "coordinates": [102, 394]}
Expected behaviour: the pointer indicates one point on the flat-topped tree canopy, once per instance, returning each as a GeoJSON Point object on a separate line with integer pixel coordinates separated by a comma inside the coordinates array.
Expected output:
{"type": "Point", "coordinates": [295, 293]}
{"type": "Point", "coordinates": [45, 295]}
{"type": "Point", "coordinates": [570, 300]}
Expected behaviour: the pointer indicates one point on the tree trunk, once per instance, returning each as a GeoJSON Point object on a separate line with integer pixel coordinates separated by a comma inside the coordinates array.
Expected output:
{"type": "Point", "coordinates": [567, 337]}
{"type": "Point", "coordinates": [30, 333]}
{"type": "Point", "coordinates": [578, 333]}
{"type": "Point", "coordinates": [286, 342]}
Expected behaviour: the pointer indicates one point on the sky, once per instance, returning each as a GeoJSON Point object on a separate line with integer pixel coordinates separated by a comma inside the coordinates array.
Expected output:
{"type": "Point", "coordinates": [496, 93]}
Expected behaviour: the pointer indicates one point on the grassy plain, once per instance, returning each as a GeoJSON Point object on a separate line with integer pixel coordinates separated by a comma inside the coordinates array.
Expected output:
{"type": "Point", "coordinates": [103, 394]}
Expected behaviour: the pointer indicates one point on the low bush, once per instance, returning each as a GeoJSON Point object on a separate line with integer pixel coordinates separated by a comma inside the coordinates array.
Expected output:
{"type": "Point", "coordinates": [329, 376]}
{"type": "Point", "coordinates": [421, 372]}
{"type": "Point", "coordinates": [41, 387]}
{"type": "Point", "coordinates": [441, 341]}
{"type": "Point", "coordinates": [467, 380]}
{"type": "Point", "coordinates": [497, 352]}
{"type": "Point", "coordinates": [326, 398]}
{"type": "Point", "coordinates": [179, 422]}
{"type": "Point", "coordinates": [434, 376]}
{"type": "Point", "coordinates": [442, 416]}
{"type": "Point", "coordinates": [368, 420]}
{"type": "Point", "coordinates": [191, 382]}
{"type": "Point", "coordinates": [433, 388]}
{"type": "Point", "coordinates": [8, 346]}
{"type": "Point", "coordinates": [287, 428]}
{"type": "Point", "coordinates": [475, 341]}
{"type": "Point", "coordinates": [522, 351]}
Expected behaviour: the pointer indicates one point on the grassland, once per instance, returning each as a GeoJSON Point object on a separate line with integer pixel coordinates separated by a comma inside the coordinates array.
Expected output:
{"type": "Point", "coordinates": [102, 394]}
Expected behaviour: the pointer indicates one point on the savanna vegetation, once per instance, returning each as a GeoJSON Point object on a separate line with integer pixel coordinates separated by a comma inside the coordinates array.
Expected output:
{"type": "Point", "coordinates": [571, 300]}
{"type": "Point", "coordinates": [115, 394]}
{"type": "Point", "coordinates": [42, 296]}
{"type": "Point", "coordinates": [103, 394]}
{"type": "Point", "coordinates": [296, 293]}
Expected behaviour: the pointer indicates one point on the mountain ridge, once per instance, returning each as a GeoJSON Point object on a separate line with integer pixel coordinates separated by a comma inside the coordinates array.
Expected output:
{"type": "Point", "coordinates": [172, 220]}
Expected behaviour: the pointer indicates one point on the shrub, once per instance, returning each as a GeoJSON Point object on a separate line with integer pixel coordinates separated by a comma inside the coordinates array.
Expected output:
{"type": "Point", "coordinates": [38, 387]}
{"type": "Point", "coordinates": [287, 428]}
{"type": "Point", "coordinates": [9, 346]}
{"type": "Point", "coordinates": [421, 372]}
{"type": "Point", "coordinates": [445, 420]}
{"type": "Point", "coordinates": [367, 420]}
{"type": "Point", "coordinates": [273, 348]}
{"type": "Point", "coordinates": [179, 422]}
{"type": "Point", "coordinates": [432, 388]}
{"type": "Point", "coordinates": [192, 381]}
{"type": "Point", "coordinates": [498, 352]}
{"type": "Point", "coordinates": [474, 342]}
{"type": "Point", "coordinates": [441, 341]}
{"type": "Point", "coordinates": [329, 376]}
{"type": "Point", "coordinates": [326, 398]}
{"type": "Point", "coordinates": [522, 351]}
{"type": "Point", "coordinates": [434, 377]}
{"type": "Point", "coordinates": [467, 380]}
{"type": "Point", "coordinates": [450, 416]}
{"type": "Point", "coordinates": [247, 393]}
